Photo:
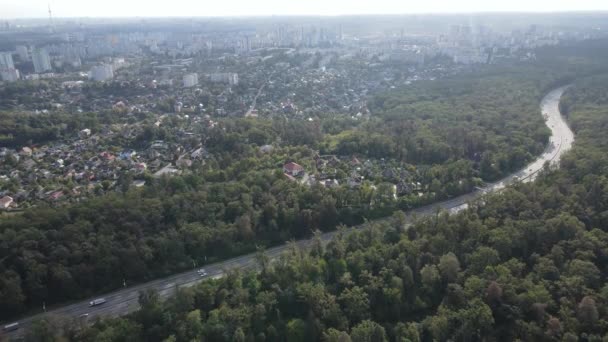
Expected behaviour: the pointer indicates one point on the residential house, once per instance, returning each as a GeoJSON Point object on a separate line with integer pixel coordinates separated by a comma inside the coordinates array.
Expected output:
{"type": "Point", "coordinates": [199, 153]}
{"type": "Point", "coordinates": [329, 183]}
{"type": "Point", "coordinates": [404, 188]}
{"type": "Point", "coordinates": [26, 151]}
{"type": "Point", "coordinates": [107, 156]}
{"type": "Point", "coordinates": [139, 183]}
{"type": "Point", "coordinates": [127, 154]}
{"type": "Point", "coordinates": [183, 163]}
{"type": "Point", "coordinates": [333, 161]}
{"type": "Point", "coordinates": [355, 181]}
{"type": "Point", "coordinates": [5, 202]}
{"type": "Point", "coordinates": [56, 195]}
{"type": "Point", "coordinates": [266, 148]}
{"type": "Point", "coordinates": [85, 133]}
{"type": "Point", "coordinates": [29, 164]}
{"type": "Point", "coordinates": [293, 169]}
{"type": "Point", "coordinates": [141, 167]}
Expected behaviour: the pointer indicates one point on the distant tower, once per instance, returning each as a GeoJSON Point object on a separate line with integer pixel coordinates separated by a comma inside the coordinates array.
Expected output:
{"type": "Point", "coordinates": [51, 26]}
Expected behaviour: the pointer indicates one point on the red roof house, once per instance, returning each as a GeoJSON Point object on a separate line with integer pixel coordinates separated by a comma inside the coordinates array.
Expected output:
{"type": "Point", "coordinates": [293, 169]}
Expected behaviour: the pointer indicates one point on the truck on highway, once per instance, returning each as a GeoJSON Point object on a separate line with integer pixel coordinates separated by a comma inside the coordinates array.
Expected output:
{"type": "Point", "coordinates": [97, 301]}
{"type": "Point", "coordinates": [11, 327]}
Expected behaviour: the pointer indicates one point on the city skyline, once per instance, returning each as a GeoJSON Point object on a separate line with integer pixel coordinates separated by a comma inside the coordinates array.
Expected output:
{"type": "Point", "coordinates": [189, 8]}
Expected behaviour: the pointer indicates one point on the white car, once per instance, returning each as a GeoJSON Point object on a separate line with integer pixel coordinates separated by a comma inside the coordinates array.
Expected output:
{"type": "Point", "coordinates": [97, 301]}
{"type": "Point", "coordinates": [11, 327]}
{"type": "Point", "coordinates": [202, 272]}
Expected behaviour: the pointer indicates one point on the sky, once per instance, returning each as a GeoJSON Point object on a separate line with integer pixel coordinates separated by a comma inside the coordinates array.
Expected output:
{"type": "Point", "coordinates": [10, 9]}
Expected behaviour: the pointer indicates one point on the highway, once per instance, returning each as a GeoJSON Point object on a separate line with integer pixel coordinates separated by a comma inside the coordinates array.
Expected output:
{"type": "Point", "coordinates": [125, 300]}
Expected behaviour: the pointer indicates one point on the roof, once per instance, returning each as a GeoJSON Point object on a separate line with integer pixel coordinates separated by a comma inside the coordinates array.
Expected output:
{"type": "Point", "coordinates": [291, 166]}
{"type": "Point", "coordinates": [56, 194]}
{"type": "Point", "coordinates": [6, 200]}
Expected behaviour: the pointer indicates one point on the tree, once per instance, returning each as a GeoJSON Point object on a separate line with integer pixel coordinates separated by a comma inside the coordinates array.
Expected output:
{"type": "Point", "coordinates": [476, 320]}
{"type": "Point", "coordinates": [449, 267]}
{"type": "Point", "coordinates": [316, 248]}
{"type": "Point", "coordinates": [455, 296]}
{"type": "Point", "coordinates": [239, 335]}
{"type": "Point", "coordinates": [429, 275]}
{"type": "Point", "coordinates": [124, 181]}
{"type": "Point", "coordinates": [191, 326]}
{"type": "Point", "coordinates": [43, 330]}
{"type": "Point", "coordinates": [120, 330]}
{"type": "Point", "coordinates": [554, 327]}
{"type": "Point", "coordinates": [11, 295]}
{"type": "Point", "coordinates": [368, 331]}
{"type": "Point", "coordinates": [150, 312]}
{"type": "Point", "coordinates": [333, 335]}
{"type": "Point", "coordinates": [355, 302]}
{"type": "Point", "coordinates": [482, 257]}
{"type": "Point", "coordinates": [244, 227]}
{"type": "Point", "coordinates": [407, 332]}
{"type": "Point", "coordinates": [494, 292]}
{"type": "Point", "coordinates": [586, 270]}
{"type": "Point", "coordinates": [297, 330]}
{"type": "Point", "coordinates": [328, 214]}
{"type": "Point", "coordinates": [438, 326]}
{"type": "Point", "coordinates": [587, 311]}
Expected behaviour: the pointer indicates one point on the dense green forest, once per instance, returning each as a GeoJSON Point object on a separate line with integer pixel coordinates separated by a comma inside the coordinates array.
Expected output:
{"type": "Point", "coordinates": [57, 254]}
{"type": "Point", "coordinates": [486, 122]}
{"type": "Point", "coordinates": [241, 200]}
{"type": "Point", "coordinates": [529, 264]}
{"type": "Point", "coordinates": [19, 129]}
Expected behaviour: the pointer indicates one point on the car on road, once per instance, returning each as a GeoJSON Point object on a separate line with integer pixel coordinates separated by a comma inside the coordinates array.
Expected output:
{"type": "Point", "coordinates": [84, 315]}
{"type": "Point", "coordinates": [202, 272]}
{"type": "Point", "coordinates": [11, 327]}
{"type": "Point", "coordinates": [97, 301]}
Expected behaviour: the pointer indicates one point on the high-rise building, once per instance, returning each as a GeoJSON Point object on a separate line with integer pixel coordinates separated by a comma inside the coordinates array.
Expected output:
{"type": "Point", "coordinates": [23, 52]}
{"type": "Point", "coordinates": [102, 72]}
{"type": "Point", "coordinates": [225, 77]}
{"type": "Point", "coordinates": [6, 61]}
{"type": "Point", "coordinates": [9, 75]}
{"type": "Point", "coordinates": [190, 80]}
{"type": "Point", "coordinates": [42, 61]}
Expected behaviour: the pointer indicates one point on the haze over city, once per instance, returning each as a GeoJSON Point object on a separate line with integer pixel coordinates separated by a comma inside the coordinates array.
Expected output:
{"type": "Point", "coordinates": [193, 8]}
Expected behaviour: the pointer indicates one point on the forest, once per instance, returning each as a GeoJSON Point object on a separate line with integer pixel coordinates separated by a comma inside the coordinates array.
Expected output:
{"type": "Point", "coordinates": [240, 200]}
{"type": "Point", "coordinates": [53, 255]}
{"type": "Point", "coordinates": [527, 264]}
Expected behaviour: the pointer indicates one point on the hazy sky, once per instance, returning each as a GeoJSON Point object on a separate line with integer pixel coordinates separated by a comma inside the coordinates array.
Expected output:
{"type": "Point", "coordinates": [131, 8]}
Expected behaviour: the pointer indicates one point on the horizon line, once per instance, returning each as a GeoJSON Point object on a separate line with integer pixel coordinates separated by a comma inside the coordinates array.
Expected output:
{"type": "Point", "coordinates": [244, 16]}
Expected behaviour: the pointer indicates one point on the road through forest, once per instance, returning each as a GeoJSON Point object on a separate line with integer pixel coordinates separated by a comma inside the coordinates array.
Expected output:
{"type": "Point", "coordinates": [124, 301]}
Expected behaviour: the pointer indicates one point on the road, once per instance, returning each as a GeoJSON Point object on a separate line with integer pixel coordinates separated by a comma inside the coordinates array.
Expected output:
{"type": "Point", "coordinates": [123, 301]}
{"type": "Point", "coordinates": [255, 100]}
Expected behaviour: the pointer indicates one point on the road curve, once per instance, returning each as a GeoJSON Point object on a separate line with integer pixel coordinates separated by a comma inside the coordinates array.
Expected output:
{"type": "Point", "coordinates": [124, 301]}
